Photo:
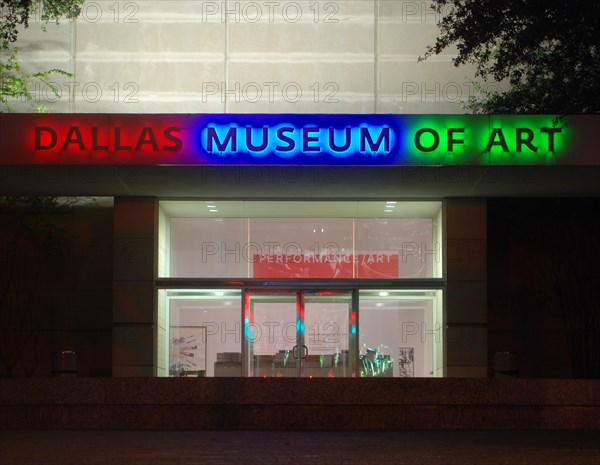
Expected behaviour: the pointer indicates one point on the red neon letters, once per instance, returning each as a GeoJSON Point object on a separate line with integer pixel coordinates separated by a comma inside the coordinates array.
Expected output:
{"type": "Point", "coordinates": [119, 139]}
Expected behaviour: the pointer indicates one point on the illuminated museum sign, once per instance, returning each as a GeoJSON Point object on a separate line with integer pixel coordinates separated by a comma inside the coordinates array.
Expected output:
{"type": "Point", "coordinates": [297, 139]}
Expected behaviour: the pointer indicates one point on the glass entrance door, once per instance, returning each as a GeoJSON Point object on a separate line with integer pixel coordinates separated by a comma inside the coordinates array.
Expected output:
{"type": "Point", "coordinates": [300, 333]}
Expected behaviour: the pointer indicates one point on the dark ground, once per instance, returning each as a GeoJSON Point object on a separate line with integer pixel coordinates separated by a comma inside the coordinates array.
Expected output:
{"type": "Point", "coordinates": [299, 448]}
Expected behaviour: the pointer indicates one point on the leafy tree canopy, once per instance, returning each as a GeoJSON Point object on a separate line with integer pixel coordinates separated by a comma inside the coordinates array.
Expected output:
{"type": "Point", "coordinates": [16, 14]}
{"type": "Point", "coordinates": [547, 50]}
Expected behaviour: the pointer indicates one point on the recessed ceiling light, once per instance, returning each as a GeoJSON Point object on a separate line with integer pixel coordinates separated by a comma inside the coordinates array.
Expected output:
{"type": "Point", "coordinates": [211, 206]}
{"type": "Point", "coordinates": [389, 211]}
{"type": "Point", "coordinates": [391, 202]}
{"type": "Point", "coordinates": [219, 293]}
{"type": "Point", "coordinates": [213, 211]}
{"type": "Point", "coordinates": [384, 294]}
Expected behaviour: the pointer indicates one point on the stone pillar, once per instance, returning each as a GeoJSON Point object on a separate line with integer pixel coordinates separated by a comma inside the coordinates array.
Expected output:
{"type": "Point", "coordinates": [135, 226]}
{"type": "Point", "coordinates": [465, 299]}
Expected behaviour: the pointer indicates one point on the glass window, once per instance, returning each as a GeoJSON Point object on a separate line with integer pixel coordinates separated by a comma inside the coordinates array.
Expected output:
{"type": "Point", "coordinates": [395, 248]}
{"type": "Point", "coordinates": [208, 247]}
{"type": "Point", "coordinates": [301, 248]}
{"type": "Point", "coordinates": [400, 333]}
{"type": "Point", "coordinates": [203, 329]}
{"type": "Point", "coordinates": [291, 240]}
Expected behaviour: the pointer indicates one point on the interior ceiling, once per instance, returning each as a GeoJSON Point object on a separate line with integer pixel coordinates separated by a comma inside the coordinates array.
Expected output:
{"type": "Point", "coordinates": [405, 299]}
{"type": "Point", "coordinates": [416, 305]}
{"type": "Point", "coordinates": [306, 182]}
{"type": "Point", "coordinates": [382, 303]}
{"type": "Point", "coordinates": [303, 209]}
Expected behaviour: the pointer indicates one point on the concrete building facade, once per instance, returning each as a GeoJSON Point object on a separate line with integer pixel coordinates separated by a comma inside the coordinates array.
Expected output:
{"type": "Point", "coordinates": [147, 255]}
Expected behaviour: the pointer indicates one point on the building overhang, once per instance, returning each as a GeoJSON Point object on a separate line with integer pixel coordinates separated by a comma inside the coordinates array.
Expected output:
{"type": "Point", "coordinates": [299, 156]}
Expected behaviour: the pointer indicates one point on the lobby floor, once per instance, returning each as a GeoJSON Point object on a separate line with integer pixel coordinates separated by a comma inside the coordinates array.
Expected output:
{"type": "Point", "coordinates": [299, 448]}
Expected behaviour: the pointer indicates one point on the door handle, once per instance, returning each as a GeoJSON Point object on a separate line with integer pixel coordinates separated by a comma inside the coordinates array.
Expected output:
{"type": "Point", "coordinates": [300, 354]}
{"type": "Point", "coordinates": [304, 352]}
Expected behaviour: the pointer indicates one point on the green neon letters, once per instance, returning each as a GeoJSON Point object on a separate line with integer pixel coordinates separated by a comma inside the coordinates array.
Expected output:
{"type": "Point", "coordinates": [452, 139]}
{"type": "Point", "coordinates": [523, 137]}
{"type": "Point", "coordinates": [496, 140]}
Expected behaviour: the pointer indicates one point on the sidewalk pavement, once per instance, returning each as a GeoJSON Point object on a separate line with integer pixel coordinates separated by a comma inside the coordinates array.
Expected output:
{"type": "Point", "coordinates": [299, 448]}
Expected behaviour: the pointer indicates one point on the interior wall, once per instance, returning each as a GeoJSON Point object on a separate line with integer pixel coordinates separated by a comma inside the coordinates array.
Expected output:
{"type": "Point", "coordinates": [249, 247]}
{"type": "Point", "coordinates": [222, 319]}
{"type": "Point", "coordinates": [408, 325]}
{"type": "Point", "coordinates": [162, 347]}
{"type": "Point", "coordinates": [439, 355]}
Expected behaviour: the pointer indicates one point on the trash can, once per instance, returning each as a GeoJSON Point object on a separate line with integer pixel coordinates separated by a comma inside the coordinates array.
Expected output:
{"type": "Point", "coordinates": [64, 363]}
{"type": "Point", "coordinates": [506, 365]}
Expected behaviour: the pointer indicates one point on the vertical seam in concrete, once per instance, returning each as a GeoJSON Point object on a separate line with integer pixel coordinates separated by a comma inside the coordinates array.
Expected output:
{"type": "Point", "coordinates": [376, 57]}
{"type": "Point", "coordinates": [226, 61]}
{"type": "Point", "coordinates": [73, 64]}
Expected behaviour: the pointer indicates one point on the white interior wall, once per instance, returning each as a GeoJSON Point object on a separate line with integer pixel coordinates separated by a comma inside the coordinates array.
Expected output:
{"type": "Point", "coordinates": [438, 243]}
{"type": "Point", "coordinates": [162, 312]}
{"type": "Point", "coordinates": [222, 318]}
{"type": "Point", "coordinates": [196, 56]}
{"type": "Point", "coordinates": [229, 247]}
{"type": "Point", "coordinates": [438, 323]}
{"type": "Point", "coordinates": [164, 237]}
{"type": "Point", "coordinates": [400, 324]}
{"type": "Point", "coordinates": [162, 346]}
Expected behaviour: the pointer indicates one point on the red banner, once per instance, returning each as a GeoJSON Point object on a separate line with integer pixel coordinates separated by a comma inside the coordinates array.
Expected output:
{"type": "Point", "coordinates": [334, 266]}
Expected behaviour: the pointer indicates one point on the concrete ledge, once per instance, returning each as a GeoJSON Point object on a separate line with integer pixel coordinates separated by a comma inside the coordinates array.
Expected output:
{"type": "Point", "coordinates": [298, 404]}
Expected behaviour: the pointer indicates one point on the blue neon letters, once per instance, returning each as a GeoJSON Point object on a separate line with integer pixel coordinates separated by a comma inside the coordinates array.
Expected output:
{"type": "Point", "coordinates": [287, 140]}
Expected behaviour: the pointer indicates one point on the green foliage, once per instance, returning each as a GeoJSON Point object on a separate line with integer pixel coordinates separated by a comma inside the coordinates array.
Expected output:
{"type": "Point", "coordinates": [15, 83]}
{"type": "Point", "coordinates": [14, 14]}
{"type": "Point", "coordinates": [547, 50]}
